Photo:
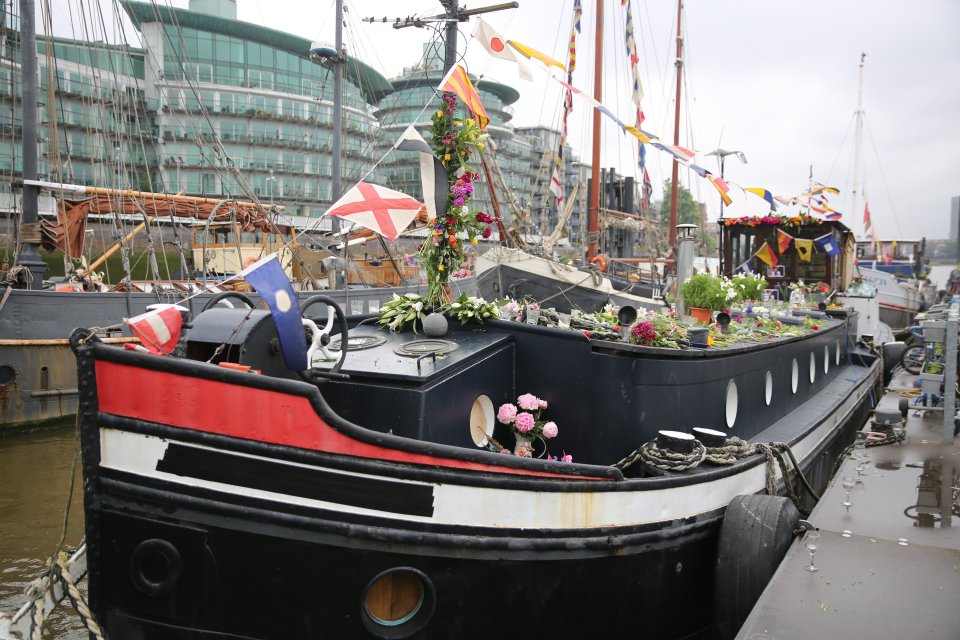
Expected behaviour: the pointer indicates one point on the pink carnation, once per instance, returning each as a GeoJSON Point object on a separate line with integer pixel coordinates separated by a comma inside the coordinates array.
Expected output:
{"type": "Point", "coordinates": [529, 402]}
{"type": "Point", "coordinates": [567, 457]}
{"type": "Point", "coordinates": [543, 404]}
{"type": "Point", "coordinates": [524, 422]}
{"type": "Point", "coordinates": [550, 430]}
{"type": "Point", "coordinates": [506, 413]}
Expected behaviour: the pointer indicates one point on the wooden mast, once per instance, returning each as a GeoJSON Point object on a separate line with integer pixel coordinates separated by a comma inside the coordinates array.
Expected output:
{"type": "Point", "coordinates": [676, 131]}
{"type": "Point", "coordinates": [593, 230]}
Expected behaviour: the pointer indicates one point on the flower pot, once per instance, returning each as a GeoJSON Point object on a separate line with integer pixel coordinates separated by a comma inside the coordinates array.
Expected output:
{"type": "Point", "coordinates": [701, 315]}
{"type": "Point", "coordinates": [523, 445]}
{"type": "Point", "coordinates": [698, 336]}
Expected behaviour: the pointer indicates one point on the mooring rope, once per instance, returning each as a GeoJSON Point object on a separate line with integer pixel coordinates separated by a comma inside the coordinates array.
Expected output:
{"type": "Point", "coordinates": [663, 461]}
{"type": "Point", "coordinates": [62, 571]}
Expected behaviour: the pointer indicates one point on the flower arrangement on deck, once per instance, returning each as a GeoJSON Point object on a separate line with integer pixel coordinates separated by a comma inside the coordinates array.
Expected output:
{"type": "Point", "coordinates": [455, 141]}
{"type": "Point", "coordinates": [526, 422]}
{"type": "Point", "coordinates": [799, 220]}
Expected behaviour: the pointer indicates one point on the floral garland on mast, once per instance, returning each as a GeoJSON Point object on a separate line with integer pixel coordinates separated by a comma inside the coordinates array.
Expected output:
{"type": "Point", "coordinates": [455, 141]}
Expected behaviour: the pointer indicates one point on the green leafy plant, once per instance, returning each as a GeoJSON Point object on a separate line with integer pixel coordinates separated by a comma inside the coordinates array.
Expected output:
{"type": "Point", "coordinates": [749, 286]}
{"type": "Point", "coordinates": [704, 291]}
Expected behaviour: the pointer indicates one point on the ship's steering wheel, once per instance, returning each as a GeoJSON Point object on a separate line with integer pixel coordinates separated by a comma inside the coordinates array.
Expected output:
{"type": "Point", "coordinates": [225, 295]}
{"type": "Point", "coordinates": [320, 337]}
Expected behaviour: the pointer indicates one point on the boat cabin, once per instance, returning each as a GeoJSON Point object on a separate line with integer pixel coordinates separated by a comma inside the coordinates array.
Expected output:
{"type": "Point", "coordinates": [807, 257]}
{"type": "Point", "coordinates": [903, 258]}
{"type": "Point", "coordinates": [226, 248]}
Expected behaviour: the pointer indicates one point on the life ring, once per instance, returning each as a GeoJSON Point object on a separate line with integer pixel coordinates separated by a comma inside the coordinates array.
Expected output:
{"type": "Point", "coordinates": [599, 259]}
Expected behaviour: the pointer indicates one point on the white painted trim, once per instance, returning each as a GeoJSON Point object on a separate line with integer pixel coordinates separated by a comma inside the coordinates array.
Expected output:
{"type": "Point", "coordinates": [494, 507]}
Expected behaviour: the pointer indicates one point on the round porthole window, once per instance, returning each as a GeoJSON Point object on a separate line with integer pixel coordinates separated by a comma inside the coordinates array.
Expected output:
{"type": "Point", "coordinates": [826, 358]}
{"type": "Point", "coordinates": [397, 603]}
{"type": "Point", "coordinates": [733, 401]}
{"type": "Point", "coordinates": [768, 388]}
{"type": "Point", "coordinates": [838, 354]}
{"type": "Point", "coordinates": [813, 367]}
{"type": "Point", "coordinates": [481, 420]}
{"type": "Point", "coordinates": [794, 376]}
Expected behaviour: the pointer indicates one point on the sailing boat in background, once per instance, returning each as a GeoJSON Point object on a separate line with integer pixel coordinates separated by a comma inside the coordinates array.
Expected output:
{"type": "Point", "coordinates": [37, 371]}
{"type": "Point", "coordinates": [523, 272]}
{"type": "Point", "coordinates": [895, 267]}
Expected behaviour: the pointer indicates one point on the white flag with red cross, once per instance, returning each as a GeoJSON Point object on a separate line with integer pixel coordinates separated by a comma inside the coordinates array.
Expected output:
{"type": "Point", "coordinates": [383, 210]}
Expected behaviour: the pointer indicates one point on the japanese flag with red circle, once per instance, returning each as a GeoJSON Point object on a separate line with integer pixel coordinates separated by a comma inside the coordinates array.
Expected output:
{"type": "Point", "coordinates": [496, 45]}
{"type": "Point", "coordinates": [158, 329]}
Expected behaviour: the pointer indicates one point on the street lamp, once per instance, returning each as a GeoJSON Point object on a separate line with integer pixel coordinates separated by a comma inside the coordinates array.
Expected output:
{"type": "Point", "coordinates": [722, 154]}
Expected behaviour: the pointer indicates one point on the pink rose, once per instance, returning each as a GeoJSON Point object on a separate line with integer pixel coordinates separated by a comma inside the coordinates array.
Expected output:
{"type": "Point", "coordinates": [529, 402]}
{"type": "Point", "coordinates": [522, 452]}
{"type": "Point", "coordinates": [550, 430]}
{"type": "Point", "coordinates": [543, 404]}
{"type": "Point", "coordinates": [505, 450]}
{"type": "Point", "coordinates": [524, 422]}
{"type": "Point", "coordinates": [506, 413]}
{"type": "Point", "coordinates": [567, 457]}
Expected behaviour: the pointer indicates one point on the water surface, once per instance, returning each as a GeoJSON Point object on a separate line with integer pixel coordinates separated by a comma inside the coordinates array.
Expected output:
{"type": "Point", "coordinates": [35, 471]}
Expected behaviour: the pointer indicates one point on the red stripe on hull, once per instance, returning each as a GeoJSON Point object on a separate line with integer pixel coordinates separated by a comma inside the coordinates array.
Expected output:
{"type": "Point", "coordinates": [250, 414]}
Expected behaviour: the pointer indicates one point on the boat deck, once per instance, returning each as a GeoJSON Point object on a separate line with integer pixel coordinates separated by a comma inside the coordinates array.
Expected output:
{"type": "Point", "coordinates": [890, 567]}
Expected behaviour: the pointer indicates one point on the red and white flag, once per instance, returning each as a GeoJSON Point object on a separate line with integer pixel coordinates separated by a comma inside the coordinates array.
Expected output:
{"type": "Point", "coordinates": [377, 208]}
{"type": "Point", "coordinates": [496, 46]}
{"type": "Point", "coordinates": [556, 187]}
{"type": "Point", "coordinates": [158, 329]}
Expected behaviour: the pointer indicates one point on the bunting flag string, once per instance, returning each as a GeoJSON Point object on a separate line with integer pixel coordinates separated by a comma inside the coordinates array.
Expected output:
{"type": "Point", "coordinates": [804, 248]}
{"type": "Point", "coordinates": [568, 95]}
{"type": "Point", "coordinates": [766, 253]}
{"type": "Point", "coordinates": [783, 241]}
{"type": "Point", "coordinates": [763, 193]}
{"type": "Point", "coordinates": [746, 267]}
{"type": "Point", "coordinates": [530, 52]}
{"type": "Point", "coordinates": [496, 46]}
{"type": "Point", "coordinates": [828, 244]}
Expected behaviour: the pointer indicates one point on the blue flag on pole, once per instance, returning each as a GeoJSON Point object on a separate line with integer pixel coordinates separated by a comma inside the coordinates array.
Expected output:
{"type": "Point", "coordinates": [828, 244]}
{"type": "Point", "coordinates": [267, 277]}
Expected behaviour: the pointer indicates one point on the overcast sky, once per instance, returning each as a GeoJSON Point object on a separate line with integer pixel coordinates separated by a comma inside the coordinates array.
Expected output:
{"type": "Point", "coordinates": [774, 79]}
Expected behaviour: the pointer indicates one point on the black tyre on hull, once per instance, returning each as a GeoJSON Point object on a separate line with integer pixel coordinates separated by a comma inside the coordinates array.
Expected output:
{"type": "Point", "coordinates": [754, 537]}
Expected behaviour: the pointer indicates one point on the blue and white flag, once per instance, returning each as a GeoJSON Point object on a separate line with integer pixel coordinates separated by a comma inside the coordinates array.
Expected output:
{"type": "Point", "coordinates": [266, 276]}
{"type": "Point", "coordinates": [746, 267]}
{"type": "Point", "coordinates": [828, 244]}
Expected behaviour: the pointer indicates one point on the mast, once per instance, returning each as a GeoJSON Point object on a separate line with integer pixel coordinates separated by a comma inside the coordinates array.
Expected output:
{"type": "Point", "coordinates": [337, 110]}
{"type": "Point", "coordinates": [858, 140]}
{"type": "Point", "coordinates": [593, 230]}
{"type": "Point", "coordinates": [450, 38]}
{"type": "Point", "coordinates": [676, 131]}
{"type": "Point", "coordinates": [29, 232]}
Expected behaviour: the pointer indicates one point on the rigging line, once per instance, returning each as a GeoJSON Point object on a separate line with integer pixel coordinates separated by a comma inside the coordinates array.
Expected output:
{"type": "Point", "coordinates": [883, 177]}
{"type": "Point", "coordinates": [235, 174]}
{"type": "Point", "coordinates": [843, 141]}
{"type": "Point", "coordinates": [316, 224]}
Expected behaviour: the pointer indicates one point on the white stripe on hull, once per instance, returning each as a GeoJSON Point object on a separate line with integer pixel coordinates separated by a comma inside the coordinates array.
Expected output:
{"type": "Point", "coordinates": [493, 507]}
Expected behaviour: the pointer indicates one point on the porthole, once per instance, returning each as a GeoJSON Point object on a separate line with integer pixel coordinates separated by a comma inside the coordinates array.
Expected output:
{"type": "Point", "coordinates": [794, 376]}
{"type": "Point", "coordinates": [813, 367]}
{"type": "Point", "coordinates": [768, 388]}
{"type": "Point", "coordinates": [732, 402]}
{"type": "Point", "coordinates": [155, 567]}
{"type": "Point", "coordinates": [397, 603]}
{"type": "Point", "coordinates": [826, 358]}
{"type": "Point", "coordinates": [838, 354]}
{"type": "Point", "coordinates": [481, 420]}
{"type": "Point", "coordinates": [7, 374]}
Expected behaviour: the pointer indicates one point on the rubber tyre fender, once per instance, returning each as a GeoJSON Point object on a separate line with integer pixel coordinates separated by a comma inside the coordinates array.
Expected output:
{"type": "Point", "coordinates": [892, 352]}
{"type": "Point", "coordinates": [756, 532]}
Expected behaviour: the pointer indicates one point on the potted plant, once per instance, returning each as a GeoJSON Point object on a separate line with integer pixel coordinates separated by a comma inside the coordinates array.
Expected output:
{"type": "Point", "coordinates": [703, 294]}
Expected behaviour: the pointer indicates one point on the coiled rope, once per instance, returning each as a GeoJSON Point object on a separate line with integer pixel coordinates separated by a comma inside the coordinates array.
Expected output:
{"type": "Point", "coordinates": [663, 461]}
